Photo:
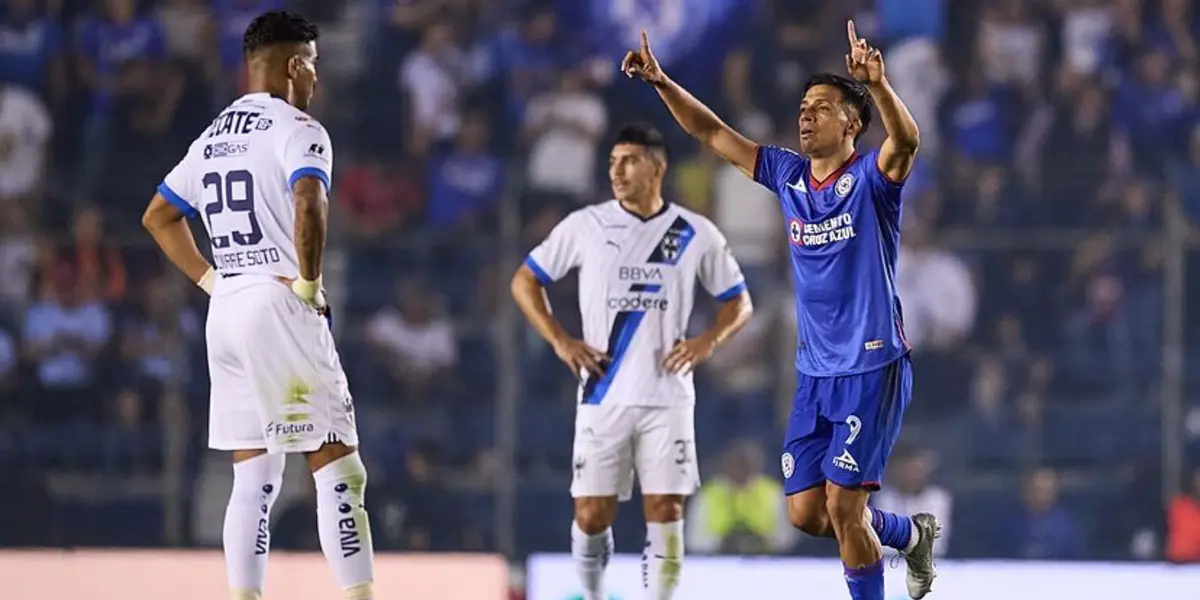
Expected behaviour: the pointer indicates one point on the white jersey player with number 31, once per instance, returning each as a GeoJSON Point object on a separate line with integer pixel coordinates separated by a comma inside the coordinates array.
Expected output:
{"type": "Point", "coordinates": [258, 177]}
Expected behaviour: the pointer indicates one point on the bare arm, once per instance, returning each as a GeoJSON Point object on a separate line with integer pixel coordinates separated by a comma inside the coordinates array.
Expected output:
{"type": "Point", "coordinates": [165, 224]}
{"type": "Point", "coordinates": [531, 297]}
{"type": "Point", "coordinates": [312, 215]}
{"type": "Point", "coordinates": [899, 150]}
{"type": "Point", "coordinates": [730, 319]}
{"type": "Point", "coordinates": [693, 116]}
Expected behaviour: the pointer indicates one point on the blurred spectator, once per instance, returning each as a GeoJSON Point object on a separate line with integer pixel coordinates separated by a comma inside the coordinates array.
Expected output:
{"type": "Point", "coordinates": [151, 337]}
{"type": "Point", "coordinates": [379, 197]}
{"type": "Point", "coordinates": [1098, 331]}
{"type": "Point", "coordinates": [25, 130]}
{"type": "Point", "coordinates": [31, 50]}
{"type": "Point", "coordinates": [748, 214]}
{"type": "Point", "coordinates": [1147, 110]}
{"type": "Point", "coordinates": [431, 79]}
{"type": "Point", "coordinates": [562, 128]}
{"type": "Point", "coordinates": [18, 258]}
{"type": "Point", "coordinates": [1085, 28]}
{"type": "Point", "coordinates": [415, 343]}
{"type": "Point", "coordinates": [65, 334]}
{"type": "Point", "coordinates": [1041, 528]}
{"type": "Point", "coordinates": [230, 18]}
{"type": "Point", "coordinates": [939, 295]}
{"type": "Point", "coordinates": [106, 45]}
{"type": "Point", "coordinates": [93, 258]}
{"type": "Point", "coordinates": [1185, 178]}
{"type": "Point", "coordinates": [528, 59]}
{"type": "Point", "coordinates": [742, 511]}
{"type": "Point", "coordinates": [909, 491]}
{"type": "Point", "coordinates": [916, 72]}
{"type": "Point", "coordinates": [1183, 523]}
{"type": "Point", "coordinates": [9, 357]}
{"type": "Point", "coordinates": [976, 119]}
{"type": "Point", "coordinates": [1010, 43]}
{"type": "Point", "coordinates": [465, 183]}
{"type": "Point", "coordinates": [189, 32]}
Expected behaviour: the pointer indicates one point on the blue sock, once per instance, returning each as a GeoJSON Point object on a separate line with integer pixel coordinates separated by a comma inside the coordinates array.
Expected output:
{"type": "Point", "coordinates": [866, 583]}
{"type": "Point", "coordinates": [894, 531]}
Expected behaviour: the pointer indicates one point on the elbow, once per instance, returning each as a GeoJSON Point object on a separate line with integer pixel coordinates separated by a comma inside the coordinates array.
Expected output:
{"type": "Point", "coordinates": [909, 141]}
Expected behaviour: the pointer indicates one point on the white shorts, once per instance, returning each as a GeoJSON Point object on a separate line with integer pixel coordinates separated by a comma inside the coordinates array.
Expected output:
{"type": "Point", "coordinates": [613, 442]}
{"type": "Point", "coordinates": [276, 380]}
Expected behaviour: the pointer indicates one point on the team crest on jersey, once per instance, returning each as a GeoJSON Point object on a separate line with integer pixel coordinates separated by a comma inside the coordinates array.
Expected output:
{"type": "Point", "coordinates": [844, 184]}
{"type": "Point", "coordinates": [673, 243]}
{"type": "Point", "coordinates": [796, 231]}
{"type": "Point", "coordinates": [788, 464]}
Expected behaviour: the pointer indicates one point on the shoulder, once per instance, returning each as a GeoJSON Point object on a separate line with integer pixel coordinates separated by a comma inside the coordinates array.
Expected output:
{"type": "Point", "coordinates": [704, 227]}
{"type": "Point", "coordinates": [780, 156]}
{"type": "Point", "coordinates": [588, 215]}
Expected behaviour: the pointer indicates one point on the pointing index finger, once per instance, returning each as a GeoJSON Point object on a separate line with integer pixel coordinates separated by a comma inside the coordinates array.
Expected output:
{"type": "Point", "coordinates": [645, 42]}
{"type": "Point", "coordinates": [850, 32]}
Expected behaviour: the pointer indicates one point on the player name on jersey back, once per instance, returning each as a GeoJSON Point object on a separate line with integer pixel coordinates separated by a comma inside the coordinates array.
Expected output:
{"type": "Point", "coordinates": [636, 290]}
{"type": "Point", "coordinates": [238, 176]}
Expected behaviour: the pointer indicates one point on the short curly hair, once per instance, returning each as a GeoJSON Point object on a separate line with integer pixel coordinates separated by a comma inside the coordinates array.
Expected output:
{"type": "Point", "coordinates": [277, 27]}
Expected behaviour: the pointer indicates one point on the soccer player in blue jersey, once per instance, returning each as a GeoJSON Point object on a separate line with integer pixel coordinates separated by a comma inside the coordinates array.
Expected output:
{"type": "Point", "coordinates": [842, 215]}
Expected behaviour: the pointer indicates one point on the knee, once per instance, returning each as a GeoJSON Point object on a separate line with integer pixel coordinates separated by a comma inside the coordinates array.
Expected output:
{"type": "Point", "coordinates": [595, 515]}
{"type": "Point", "coordinates": [344, 479]}
{"type": "Point", "coordinates": [258, 478]}
{"type": "Point", "coordinates": [809, 517]}
{"type": "Point", "coordinates": [846, 507]}
{"type": "Point", "coordinates": [663, 509]}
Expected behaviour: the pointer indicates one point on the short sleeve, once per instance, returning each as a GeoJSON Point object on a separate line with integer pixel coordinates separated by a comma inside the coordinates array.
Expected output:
{"type": "Point", "coordinates": [558, 253]}
{"type": "Point", "coordinates": [773, 166]}
{"type": "Point", "coordinates": [179, 188]}
{"type": "Point", "coordinates": [719, 270]}
{"type": "Point", "coordinates": [882, 186]}
{"type": "Point", "coordinates": [308, 153]}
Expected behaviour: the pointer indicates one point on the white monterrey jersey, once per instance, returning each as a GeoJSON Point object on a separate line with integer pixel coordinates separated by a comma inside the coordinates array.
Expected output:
{"type": "Point", "coordinates": [238, 175]}
{"type": "Point", "coordinates": [637, 282]}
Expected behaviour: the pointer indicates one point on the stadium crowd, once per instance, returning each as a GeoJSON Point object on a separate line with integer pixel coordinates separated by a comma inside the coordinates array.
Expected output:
{"type": "Point", "coordinates": [1061, 140]}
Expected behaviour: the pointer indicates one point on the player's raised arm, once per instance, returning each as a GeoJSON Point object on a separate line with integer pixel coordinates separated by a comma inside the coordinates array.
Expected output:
{"type": "Point", "coordinates": [899, 150]}
{"type": "Point", "coordinates": [697, 119]}
{"type": "Point", "coordinates": [164, 220]}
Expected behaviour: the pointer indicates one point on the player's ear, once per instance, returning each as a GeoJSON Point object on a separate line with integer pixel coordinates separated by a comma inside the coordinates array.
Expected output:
{"type": "Point", "coordinates": [293, 66]}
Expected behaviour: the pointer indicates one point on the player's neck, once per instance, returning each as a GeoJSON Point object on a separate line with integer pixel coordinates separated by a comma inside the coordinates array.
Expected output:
{"type": "Point", "coordinates": [824, 166]}
{"type": "Point", "coordinates": [263, 85]}
{"type": "Point", "coordinates": [646, 208]}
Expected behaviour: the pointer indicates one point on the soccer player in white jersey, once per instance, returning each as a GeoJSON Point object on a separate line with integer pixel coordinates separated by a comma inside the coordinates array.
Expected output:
{"type": "Point", "coordinates": [259, 179]}
{"type": "Point", "coordinates": [638, 258]}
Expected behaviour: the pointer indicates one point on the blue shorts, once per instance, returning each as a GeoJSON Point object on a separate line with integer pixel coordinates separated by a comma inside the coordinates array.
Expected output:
{"type": "Point", "coordinates": [842, 429]}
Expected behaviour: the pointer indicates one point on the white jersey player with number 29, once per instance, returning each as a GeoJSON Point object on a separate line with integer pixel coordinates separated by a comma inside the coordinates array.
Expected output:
{"type": "Point", "coordinates": [639, 259]}
{"type": "Point", "coordinates": [258, 178]}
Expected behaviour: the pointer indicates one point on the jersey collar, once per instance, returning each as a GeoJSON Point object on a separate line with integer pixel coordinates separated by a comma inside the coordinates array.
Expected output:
{"type": "Point", "coordinates": [666, 205]}
{"type": "Point", "coordinates": [824, 183]}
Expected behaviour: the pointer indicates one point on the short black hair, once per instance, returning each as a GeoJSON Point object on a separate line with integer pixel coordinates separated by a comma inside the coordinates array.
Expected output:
{"type": "Point", "coordinates": [277, 27]}
{"type": "Point", "coordinates": [642, 134]}
{"type": "Point", "coordinates": [853, 93]}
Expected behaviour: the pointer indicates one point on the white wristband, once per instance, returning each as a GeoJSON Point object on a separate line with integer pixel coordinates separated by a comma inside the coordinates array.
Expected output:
{"type": "Point", "coordinates": [207, 281]}
{"type": "Point", "coordinates": [309, 291]}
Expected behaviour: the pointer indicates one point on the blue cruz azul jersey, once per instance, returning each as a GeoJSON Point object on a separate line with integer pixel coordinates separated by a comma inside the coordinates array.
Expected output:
{"type": "Point", "coordinates": [843, 239]}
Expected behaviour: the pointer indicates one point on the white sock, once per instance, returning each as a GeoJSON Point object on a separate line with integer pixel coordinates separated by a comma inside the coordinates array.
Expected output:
{"type": "Point", "coordinates": [591, 554]}
{"type": "Point", "coordinates": [662, 559]}
{"type": "Point", "coordinates": [246, 536]}
{"type": "Point", "coordinates": [343, 527]}
{"type": "Point", "coordinates": [914, 539]}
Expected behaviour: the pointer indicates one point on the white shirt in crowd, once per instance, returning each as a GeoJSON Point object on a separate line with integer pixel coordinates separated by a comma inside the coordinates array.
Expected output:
{"type": "Point", "coordinates": [25, 129]}
{"type": "Point", "coordinates": [426, 347]}
{"type": "Point", "coordinates": [431, 84]}
{"type": "Point", "coordinates": [563, 157]}
{"type": "Point", "coordinates": [938, 294]}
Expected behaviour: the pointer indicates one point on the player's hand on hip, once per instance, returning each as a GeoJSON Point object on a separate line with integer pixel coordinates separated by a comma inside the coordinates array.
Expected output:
{"type": "Point", "coordinates": [311, 293]}
{"type": "Point", "coordinates": [688, 353]}
{"type": "Point", "coordinates": [641, 63]}
{"type": "Point", "coordinates": [580, 357]}
{"type": "Point", "coordinates": [864, 62]}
